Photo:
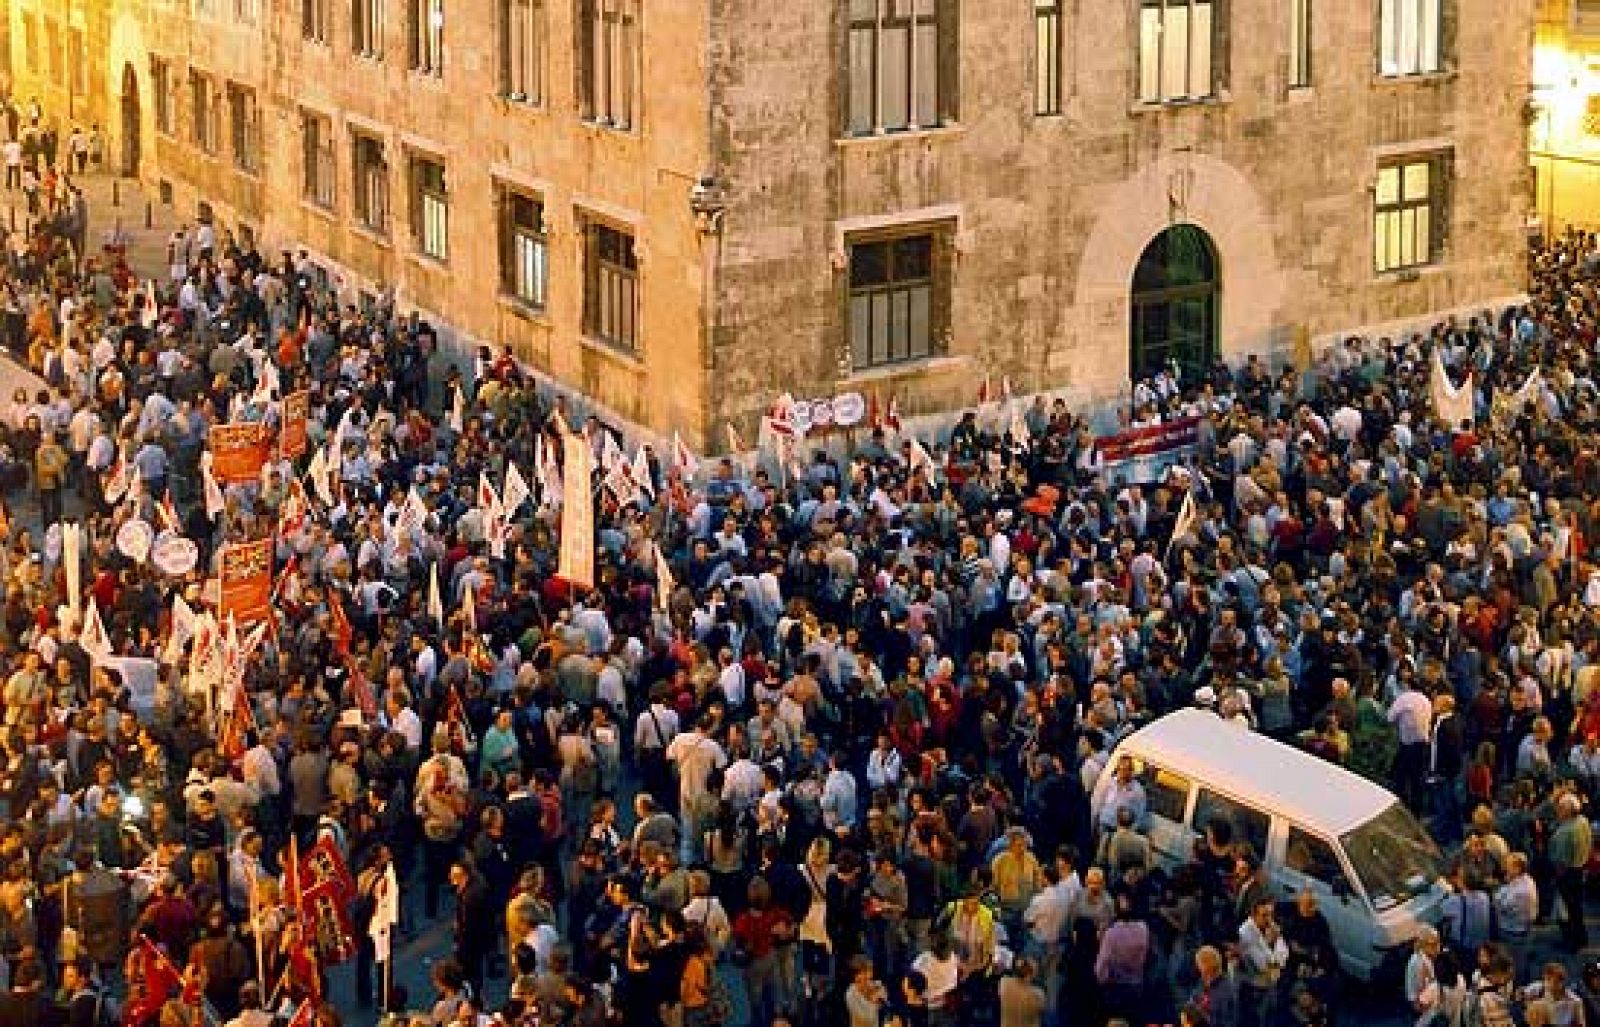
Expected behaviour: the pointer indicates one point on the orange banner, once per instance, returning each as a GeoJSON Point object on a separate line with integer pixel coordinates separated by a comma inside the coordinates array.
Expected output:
{"type": "Point", "coordinates": [246, 577]}
{"type": "Point", "coordinates": [296, 412]}
{"type": "Point", "coordinates": [238, 452]}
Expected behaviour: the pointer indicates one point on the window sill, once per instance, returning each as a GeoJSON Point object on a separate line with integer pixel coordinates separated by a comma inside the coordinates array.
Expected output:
{"type": "Point", "coordinates": [953, 130]}
{"type": "Point", "coordinates": [1406, 275]}
{"type": "Point", "coordinates": [371, 235]}
{"type": "Point", "coordinates": [629, 358]}
{"type": "Point", "coordinates": [1425, 78]}
{"type": "Point", "coordinates": [428, 77]}
{"type": "Point", "coordinates": [321, 210]}
{"type": "Point", "coordinates": [1300, 94]}
{"type": "Point", "coordinates": [429, 262]}
{"type": "Point", "coordinates": [606, 126]}
{"type": "Point", "coordinates": [368, 56]}
{"type": "Point", "coordinates": [927, 365]}
{"type": "Point", "coordinates": [1145, 107]}
{"type": "Point", "coordinates": [527, 104]}
{"type": "Point", "coordinates": [523, 309]}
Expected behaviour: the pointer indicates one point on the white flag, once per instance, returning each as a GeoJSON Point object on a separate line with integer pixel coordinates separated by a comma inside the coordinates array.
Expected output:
{"type": "Point", "coordinates": [664, 583]}
{"type": "Point", "coordinates": [641, 473]}
{"type": "Point", "coordinates": [182, 629]}
{"type": "Point", "coordinates": [319, 474]}
{"type": "Point", "coordinates": [215, 503]}
{"type": "Point", "coordinates": [683, 461]}
{"type": "Point", "coordinates": [1452, 403]}
{"type": "Point", "coordinates": [94, 639]}
{"type": "Point", "coordinates": [458, 409]}
{"type": "Point", "coordinates": [435, 603]}
{"type": "Point", "coordinates": [1188, 519]}
{"type": "Point", "coordinates": [385, 915]}
{"type": "Point", "coordinates": [515, 492]}
{"type": "Point", "coordinates": [920, 457]}
{"type": "Point", "coordinates": [71, 558]}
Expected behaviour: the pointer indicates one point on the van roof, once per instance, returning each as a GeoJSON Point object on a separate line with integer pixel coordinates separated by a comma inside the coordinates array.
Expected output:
{"type": "Point", "coordinates": [1245, 764]}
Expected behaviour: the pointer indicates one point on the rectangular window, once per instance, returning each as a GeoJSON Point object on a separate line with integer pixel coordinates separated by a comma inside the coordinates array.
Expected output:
{"type": "Point", "coordinates": [1166, 794]}
{"type": "Point", "coordinates": [366, 28]}
{"type": "Point", "coordinates": [608, 61]}
{"type": "Point", "coordinates": [246, 11]}
{"type": "Point", "coordinates": [1249, 825]}
{"type": "Point", "coordinates": [314, 21]}
{"type": "Point", "coordinates": [370, 175]}
{"type": "Point", "coordinates": [245, 118]}
{"type": "Point", "coordinates": [524, 253]}
{"type": "Point", "coordinates": [1310, 856]}
{"type": "Point", "coordinates": [201, 104]}
{"type": "Point", "coordinates": [430, 208]}
{"type": "Point", "coordinates": [1408, 212]}
{"type": "Point", "coordinates": [1175, 43]}
{"type": "Point", "coordinates": [899, 296]}
{"type": "Point", "coordinates": [162, 86]}
{"type": "Point", "coordinates": [1299, 44]}
{"type": "Point", "coordinates": [610, 287]}
{"type": "Point", "coordinates": [1047, 46]}
{"type": "Point", "coordinates": [896, 52]}
{"type": "Point", "coordinates": [77, 61]}
{"type": "Point", "coordinates": [1408, 37]}
{"type": "Point", "coordinates": [52, 45]}
{"type": "Point", "coordinates": [427, 36]}
{"type": "Point", "coordinates": [316, 135]}
{"type": "Point", "coordinates": [30, 42]}
{"type": "Point", "coordinates": [524, 33]}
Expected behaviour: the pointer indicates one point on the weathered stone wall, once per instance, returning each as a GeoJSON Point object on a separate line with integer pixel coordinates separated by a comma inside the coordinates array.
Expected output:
{"type": "Point", "coordinates": [1053, 212]}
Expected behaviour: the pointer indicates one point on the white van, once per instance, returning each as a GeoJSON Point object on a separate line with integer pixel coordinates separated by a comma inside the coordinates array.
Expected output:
{"type": "Point", "coordinates": [1376, 873]}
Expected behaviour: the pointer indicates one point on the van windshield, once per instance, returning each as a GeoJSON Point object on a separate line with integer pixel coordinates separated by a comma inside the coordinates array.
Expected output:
{"type": "Point", "coordinates": [1393, 857]}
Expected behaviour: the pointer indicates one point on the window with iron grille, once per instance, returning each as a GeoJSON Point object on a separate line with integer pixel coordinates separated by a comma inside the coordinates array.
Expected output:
{"type": "Point", "coordinates": [430, 208]}
{"type": "Point", "coordinates": [899, 291]}
{"type": "Point", "coordinates": [317, 160]}
{"type": "Point", "coordinates": [524, 248]}
{"type": "Point", "coordinates": [370, 178]}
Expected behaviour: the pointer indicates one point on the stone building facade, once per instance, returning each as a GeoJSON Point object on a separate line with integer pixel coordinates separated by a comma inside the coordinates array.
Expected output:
{"type": "Point", "coordinates": [681, 210]}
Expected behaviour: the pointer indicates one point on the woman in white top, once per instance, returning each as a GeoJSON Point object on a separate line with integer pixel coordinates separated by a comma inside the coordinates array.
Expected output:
{"type": "Point", "coordinates": [940, 966]}
{"type": "Point", "coordinates": [816, 948]}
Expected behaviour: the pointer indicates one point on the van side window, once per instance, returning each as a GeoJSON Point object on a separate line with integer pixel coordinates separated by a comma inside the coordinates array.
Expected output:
{"type": "Point", "coordinates": [1166, 794]}
{"type": "Point", "coordinates": [1311, 857]}
{"type": "Point", "coordinates": [1249, 825]}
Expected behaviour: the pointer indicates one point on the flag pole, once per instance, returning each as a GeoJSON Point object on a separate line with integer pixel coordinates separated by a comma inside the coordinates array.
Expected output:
{"type": "Point", "coordinates": [255, 929]}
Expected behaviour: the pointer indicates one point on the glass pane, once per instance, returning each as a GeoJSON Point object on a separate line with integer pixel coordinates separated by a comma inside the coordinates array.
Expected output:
{"type": "Point", "coordinates": [921, 330]}
{"type": "Point", "coordinates": [1406, 54]}
{"type": "Point", "coordinates": [894, 78]}
{"type": "Point", "coordinates": [1388, 186]}
{"type": "Point", "coordinates": [1312, 857]}
{"type": "Point", "coordinates": [899, 324]}
{"type": "Point", "coordinates": [880, 327]}
{"type": "Point", "coordinates": [1150, 53]}
{"type": "Point", "coordinates": [863, 10]}
{"type": "Point", "coordinates": [1428, 32]}
{"type": "Point", "coordinates": [1415, 186]}
{"type": "Point", "coordinates": [1200, 50]}
{"type": "Point", "coordinates": [1388, 54]}
{"type": "Point", "coordinates": [1249, 824]}
{"type": "Point", "coordinates": [913, 258]}
{"type": "Point", "coordinates": [1166, 794]}
{"type": "Point", "coordinates": [926, 111]}
{"type": "Point", "coordinates": [861, 81]}
{"type": "Point", "coordinates": [1380, 248]}
{"type": "Point", "coordinates": [1046, 64]}
{"type": "Point", "coordinates": [861, 330]}
{"type": "Point", "coordinates": [1175, 53]}
{"type": "Point", "coordinates": [869, 265]}
{"type": "Point", "coordinates": [1424, 243]}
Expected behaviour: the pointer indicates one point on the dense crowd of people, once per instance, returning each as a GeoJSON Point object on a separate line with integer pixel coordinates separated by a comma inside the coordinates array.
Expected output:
{"type": "Point", "coordinates": [819, 746]}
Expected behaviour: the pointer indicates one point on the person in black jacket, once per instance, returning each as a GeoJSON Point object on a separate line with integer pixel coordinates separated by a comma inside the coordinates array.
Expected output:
{"type": "Point", "coordinates": [1446, 757]}
{"type": "Point", "coordinates": [473, 937]}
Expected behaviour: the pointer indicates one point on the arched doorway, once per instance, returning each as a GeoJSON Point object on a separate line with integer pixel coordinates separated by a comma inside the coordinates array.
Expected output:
{"type": "Point", "coordinates": [130, 122]}
{"type": "Point", "coordinates": [1174, 317]}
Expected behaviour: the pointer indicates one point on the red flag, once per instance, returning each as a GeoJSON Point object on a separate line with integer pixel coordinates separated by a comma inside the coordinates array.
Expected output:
{"type": "Point", "coordinates": [291, 873]}
{"type": "Point", "coordinates": [874, 412]}
{"type": "Point", "coordinates": [325, 918]}
{"type": "Point", "coordinates": [892, 418]}
{"type": "Point", "coordinates": [460, 729]}
{"type": "Point", "coordinates": [303, 969]}
{"type": "Point", "coordinates": [984, 392]}
{"type": "Point", "coordinates": [324, 864]}
{"type": "Point", "coordinates": [343, 634]}
{"type": "Point", "coordinates": [305, 1016]}
{"type": "Point", "coordinates": [160, 982]}
{"type": "Point", "coordinates": [361, 691]}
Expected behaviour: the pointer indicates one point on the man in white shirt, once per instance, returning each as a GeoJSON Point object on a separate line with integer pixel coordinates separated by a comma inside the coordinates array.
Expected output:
{"type": "Point", "coordinates": [731, 680]}
{"type": "Point", "coordinates": [883, 764]}
{"type": "Point", "coordinates": [1516, 903]}
{"type": "Point", "coordinates": [696, 755]}
{"type": "Point", "coordinates": [1262, 955]}
{"type": "Point", "coordinates": [1412, 715]}
{"type": "Point", "coordinates": [742, 782]}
